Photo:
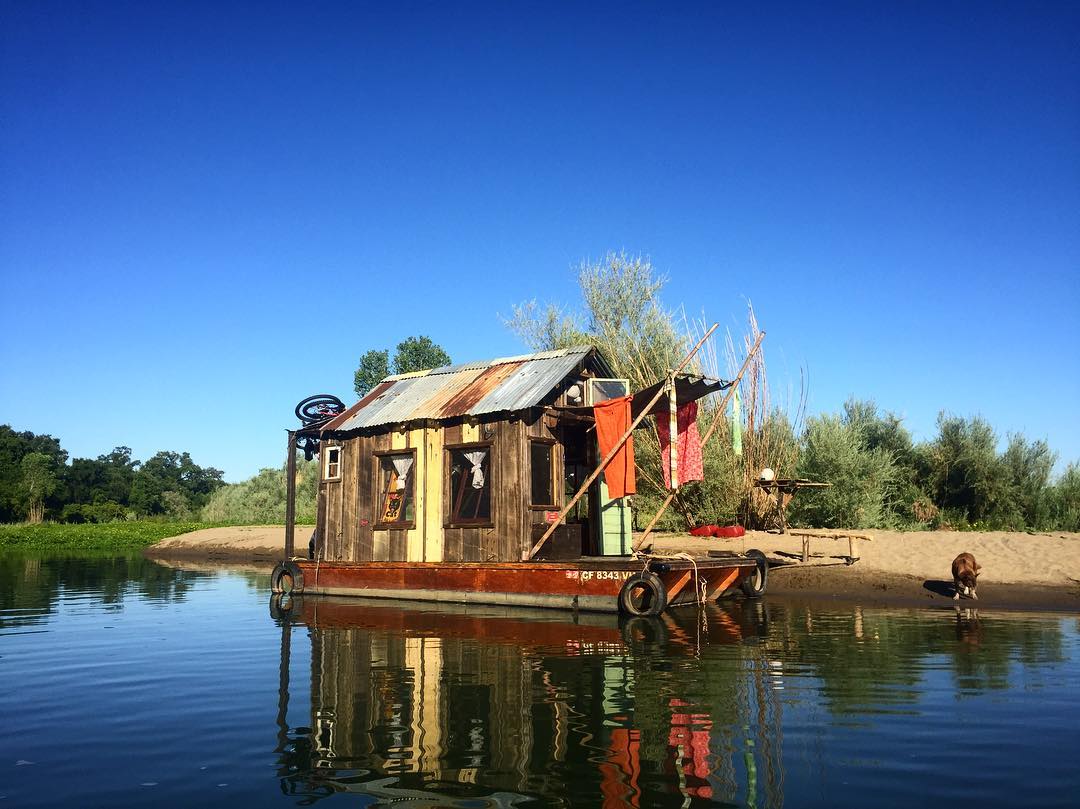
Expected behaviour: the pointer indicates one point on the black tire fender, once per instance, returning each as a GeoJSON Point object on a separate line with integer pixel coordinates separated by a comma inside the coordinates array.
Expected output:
{"type": "Point", "coordinates": [284, 606]}
{"type": "Point", "coordinates": [643, 594]}
{"type": "Point", "coordinates": [287, 578]}
{"type": "Point", "coordinates": [753, 586]}
{"type": "Point", "coordinates": [641, 632]}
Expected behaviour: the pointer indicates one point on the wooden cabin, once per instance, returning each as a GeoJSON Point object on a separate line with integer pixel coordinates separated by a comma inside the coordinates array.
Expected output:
{"type": "Point", "coordinates": [470, 463]}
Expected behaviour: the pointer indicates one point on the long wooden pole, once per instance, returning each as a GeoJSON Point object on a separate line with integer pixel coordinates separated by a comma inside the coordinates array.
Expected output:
{"type": "Point", "coordinates": [614, 450]}
{"type": "Point", "coordinates": [708, 434]}
{"type": "Point", "coordinates": [290, 495]}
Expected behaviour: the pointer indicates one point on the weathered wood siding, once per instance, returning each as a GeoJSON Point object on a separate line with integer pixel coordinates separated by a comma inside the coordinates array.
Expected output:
{"type": "Point", "coordinates": [351, 504]}
{"type": "Point", "coordinates": [348, 508]}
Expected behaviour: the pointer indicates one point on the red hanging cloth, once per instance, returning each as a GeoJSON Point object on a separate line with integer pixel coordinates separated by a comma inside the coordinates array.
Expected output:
{"type": "Point", "coordinates": [689, 454]}
{"type": "Point", "coordinates": [612, 420]}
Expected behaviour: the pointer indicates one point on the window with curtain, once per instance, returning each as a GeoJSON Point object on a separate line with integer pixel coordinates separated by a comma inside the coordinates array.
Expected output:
{"type": "Point", "coordinates": [470, 485]}
{"type": "Point", "coordinates": [540, 474]}
{"type": "Point", "coordinates": [396, 489]}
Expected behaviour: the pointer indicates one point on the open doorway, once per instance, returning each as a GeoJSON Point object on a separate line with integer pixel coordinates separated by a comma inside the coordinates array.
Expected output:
{"type": "Point", "coordinates": [579, 459]}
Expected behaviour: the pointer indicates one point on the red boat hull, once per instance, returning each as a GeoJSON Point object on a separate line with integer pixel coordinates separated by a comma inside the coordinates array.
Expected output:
{"type": "Point", "coordinates": [585, 584]}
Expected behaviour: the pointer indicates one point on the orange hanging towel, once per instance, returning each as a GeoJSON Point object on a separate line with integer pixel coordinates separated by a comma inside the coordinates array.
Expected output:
{"type": "Point", "coordinates": [612, 420]}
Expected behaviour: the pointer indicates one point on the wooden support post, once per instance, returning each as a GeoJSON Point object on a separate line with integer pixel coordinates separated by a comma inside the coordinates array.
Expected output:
{"type": "Point", "coordinates": [705, 440]}
{"type": "Point", "coordinates": [283, 684]}
{"type": "Point", "coordinates": [614, 451]}
{"type": "Point", "coordinates": [290, 495]}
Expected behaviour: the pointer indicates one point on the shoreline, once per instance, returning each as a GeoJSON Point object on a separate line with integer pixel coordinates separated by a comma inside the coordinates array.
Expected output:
{"type": "Point", "coordinates": [1028, 572]}
{"type": "Point", "coordinates": [841, 585]}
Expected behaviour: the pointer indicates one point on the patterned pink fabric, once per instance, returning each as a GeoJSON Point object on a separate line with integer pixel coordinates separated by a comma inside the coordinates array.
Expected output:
{"type": "Point", "coordinates": [690, 465]}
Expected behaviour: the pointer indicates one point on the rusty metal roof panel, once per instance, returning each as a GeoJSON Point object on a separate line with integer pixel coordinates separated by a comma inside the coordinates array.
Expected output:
{"type": "Point", "coordinates": [528, 385]}
{"type": "Point", "coordinates": [464, 401]}
{"type": "Point", "coordinates": [407, 400]}
{"type": "Point", "coordinates": [500, 385]}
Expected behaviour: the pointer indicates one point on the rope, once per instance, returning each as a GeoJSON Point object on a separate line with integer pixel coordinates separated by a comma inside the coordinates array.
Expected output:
{"type": "Point", "coordinates": [700, 585]}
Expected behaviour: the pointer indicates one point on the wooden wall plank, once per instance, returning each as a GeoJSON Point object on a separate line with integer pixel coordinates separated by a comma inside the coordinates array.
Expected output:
{"type": "Point", "coordinates": [320, 523]}
{"type": "Point", "coordinates": [414, 543]}
{"type": "Point", "coordinates": [333, 514]}
{"type": "Point", "coordinates": [380, 551]}
{"type": "Point", "coordinates": [397, 541]}
{"type": "Point", "coordinates": [470, 544]}
{"type": "Point", "coordinates": [470, 433]}
{"type": "Point", "coordinates": [509, 496]}
{"type": "Point", "coordinates": [330, 520]}
{"type": "Point", "coordinates": [453, 542]}
{"type": "Point", "coordinates": [452, 434]}
{"type": "Point", "coordinates": [365, 499]}
{"type": "Point", "coordinates": [433, 494]}
{"type": "Point", "coordinates": [349, 468]}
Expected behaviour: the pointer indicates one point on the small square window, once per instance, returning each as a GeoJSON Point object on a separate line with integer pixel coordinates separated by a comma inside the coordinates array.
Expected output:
{"type": "Point", "coordinates": [332, 463]}
{"type": "Point", "coordinates": [396, 489]}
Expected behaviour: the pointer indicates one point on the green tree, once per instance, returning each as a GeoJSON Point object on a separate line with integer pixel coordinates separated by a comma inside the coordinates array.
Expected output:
{"type": "Point", "coordinates": [964, 475]}
{"type": "Point", "coordinates": [38, 482]}
{"type": "Point", "coordinates": [374, 367]}
{"type": "Point", "coordinates": [412, 354]}
{"type": "Point", "coordinates": [1028, 466]}
{"type": "Point", "coordinates": [419, 354]}
{"type": "Point", "coordinates": [908, 504]}
{"type": "Point", "coordinates": [624, 318]}
{"type": "Point", "coordinates": [14, 446]}
{"type": "Point", "coordinates": [172, 472]}
{"type": "Point", "coordinates": [835, 450]}
{"type": "Point", "coordinates": [1064, 500]}
{"type": "Point", "coordinates": [107, 478]}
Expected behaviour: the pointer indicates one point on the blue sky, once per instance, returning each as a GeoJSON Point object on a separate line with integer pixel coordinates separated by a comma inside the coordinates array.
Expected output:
{"type": "Point", "coordinates": [209, 211]}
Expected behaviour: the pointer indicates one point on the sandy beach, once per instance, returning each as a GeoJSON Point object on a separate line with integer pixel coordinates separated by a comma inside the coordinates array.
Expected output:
{"type": "Point", "coordinates": [1039, 571]}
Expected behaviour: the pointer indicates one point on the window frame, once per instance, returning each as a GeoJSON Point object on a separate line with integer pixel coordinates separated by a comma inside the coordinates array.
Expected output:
{"type": "Point", "coordinates": [380, 495]}
{"type": "Point", "coordinates": [592, 383]}
{"type": "Point", "coordinates": [489, 480]}
{"type": "Point", "coordinates": [339, 450]}
{"type": "Point", "coordinates": [550, 443]}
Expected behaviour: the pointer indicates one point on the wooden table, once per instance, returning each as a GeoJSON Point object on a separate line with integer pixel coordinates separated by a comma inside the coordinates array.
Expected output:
{"type": "Point", "coordinates": [783, 489]}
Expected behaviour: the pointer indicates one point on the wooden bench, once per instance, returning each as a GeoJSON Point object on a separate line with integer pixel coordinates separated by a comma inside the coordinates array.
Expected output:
{"type": "Point", "coordinates": [806, 535]}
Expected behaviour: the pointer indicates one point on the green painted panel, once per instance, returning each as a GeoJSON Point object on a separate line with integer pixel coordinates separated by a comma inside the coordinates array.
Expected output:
{"type": "Point", "coordinates": [616, 524]}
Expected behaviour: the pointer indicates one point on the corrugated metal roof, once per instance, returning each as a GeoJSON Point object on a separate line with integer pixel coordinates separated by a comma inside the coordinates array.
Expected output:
{"type": "Point", "coordinates": [470, 389]}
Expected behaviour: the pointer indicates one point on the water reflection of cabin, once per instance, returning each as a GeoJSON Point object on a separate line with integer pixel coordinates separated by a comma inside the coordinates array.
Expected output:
{"type": "Point", "coordinates": [447, 708]}
{"type": "Point", "coordinates": [469, 463]}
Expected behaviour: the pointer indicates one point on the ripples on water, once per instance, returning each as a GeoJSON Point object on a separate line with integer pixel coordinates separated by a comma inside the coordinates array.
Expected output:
{"type": "Point", "coordinates": [131, 684]}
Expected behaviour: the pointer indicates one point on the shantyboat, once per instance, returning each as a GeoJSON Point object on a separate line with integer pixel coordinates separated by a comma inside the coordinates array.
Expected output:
{"type": "Point", "coordinates": [446, 485]}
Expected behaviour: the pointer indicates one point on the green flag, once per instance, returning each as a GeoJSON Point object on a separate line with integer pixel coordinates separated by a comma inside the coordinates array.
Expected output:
{"type": "Point", "coordinates": [736, 423]}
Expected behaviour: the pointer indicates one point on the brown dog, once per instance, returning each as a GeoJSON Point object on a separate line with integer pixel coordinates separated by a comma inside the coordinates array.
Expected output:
{"type": "Point", "coordinates": [965, 570]}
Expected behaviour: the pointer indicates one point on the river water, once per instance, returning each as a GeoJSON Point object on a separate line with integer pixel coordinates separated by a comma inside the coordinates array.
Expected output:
{"type": "Point", "coordinates": [128, 683]}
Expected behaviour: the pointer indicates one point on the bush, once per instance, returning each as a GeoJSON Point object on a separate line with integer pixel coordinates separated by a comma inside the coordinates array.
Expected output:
{"type": "Point", "coordinates": [835, 451]}
{"type": "Point", "coordinates": [101, 512]}
{"type": "Point", "coordinates": [261, 499]}
{"type": "Point", "coordinates": [1064, 500]}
